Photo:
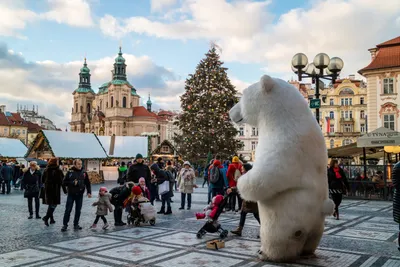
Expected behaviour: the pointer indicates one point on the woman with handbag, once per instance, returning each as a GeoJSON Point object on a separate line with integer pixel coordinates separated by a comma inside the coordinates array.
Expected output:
{"type": "Point", "coordinates": [32, 183]}
{"type": "Point", "coordinates": [338, 185]}
{"type": "Point", "coordinates": [186, 182]}
{"type": "Point", "coordinates": [51, 193]}
{"type": "Point", "coordinates": [161, 178]}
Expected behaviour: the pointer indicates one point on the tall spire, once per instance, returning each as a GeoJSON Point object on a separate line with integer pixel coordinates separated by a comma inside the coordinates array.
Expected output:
{"type": "Point", "coordinates": [84, 79]}
{"type": "Point", "coordinates": [119, 67]}
{"type": "Point", "coordinates": [149, 104]}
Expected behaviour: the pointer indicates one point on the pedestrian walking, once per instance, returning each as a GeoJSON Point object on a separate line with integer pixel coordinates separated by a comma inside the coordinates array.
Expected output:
{"type": "Point", "coordinates": [186, 182]}
{"type": "Point", "coordinates": [122, 172]}
{"type": "Point", "coordinates": [76, 180]}
{"type": "Point", "coordinates": [7, 174]}
{"type": "Point", "coordinates": [247, 206]}
{"type": "Point", "coordinates": [52, 179]}
{"type": "Point", "coordinates": [216, 178]}
{"type": "Point", "coordinates": [396, 198]}
{"type": "Point", "coordinates": [103, 206]}
{"type": "Point", "coordinates": [338, 185]}
{"type": "Point", "coordinates": [161, 177]}
{"type": "Point", "coordinates": [32, 183]}
{"type": "Point", "coordinates": [233, 174]}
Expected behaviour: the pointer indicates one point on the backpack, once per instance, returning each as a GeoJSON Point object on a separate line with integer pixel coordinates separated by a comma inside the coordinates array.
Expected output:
{"type": "Point", "coordinates": [237, 174]}
{"type": "Point", "coordinates": [214, 175]}
{"type": "Point", "coordinates": [170, 176]}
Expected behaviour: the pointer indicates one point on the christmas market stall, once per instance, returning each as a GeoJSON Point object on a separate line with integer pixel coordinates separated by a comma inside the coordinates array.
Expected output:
{"type": "Point", "coordinates": [11, 149]}
{"type": "Point", "coordinates": [166, 151]}
{"type": "Point", "coordinates": [121, 149]}
{"type": "Point", "coordinates": [68, 146]}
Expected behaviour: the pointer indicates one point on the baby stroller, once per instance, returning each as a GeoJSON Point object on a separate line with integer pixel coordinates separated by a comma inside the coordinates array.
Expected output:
{"type": "Point", "coordinates": [141, 212]}
{"type": "Point", "coordinates": [213, 226]}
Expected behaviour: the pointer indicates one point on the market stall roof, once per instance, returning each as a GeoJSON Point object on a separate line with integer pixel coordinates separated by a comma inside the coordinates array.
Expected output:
{"type": "Point", "coordinates": [12, 148]}
{"type": "Point", "coordinates": [69, 145]}
{"type": "Point", "coordinates": [124, 146]}
{"type": "Point", "coordinates": [379, 138]}
{"type": "Point", "coordinates": [345, 151]}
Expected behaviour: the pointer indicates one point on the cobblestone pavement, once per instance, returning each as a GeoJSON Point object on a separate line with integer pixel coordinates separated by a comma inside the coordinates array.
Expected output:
{"type": "Point", "coordinates": [365, 236]}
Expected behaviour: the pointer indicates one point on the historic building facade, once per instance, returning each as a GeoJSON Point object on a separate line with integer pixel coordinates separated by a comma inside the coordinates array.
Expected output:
{"type": "Point", "coordinates": [115, 109]}
{"type": "Point", "coordinates": [343, 111]}
{"type": "Point", "coordinates": [383, 79]}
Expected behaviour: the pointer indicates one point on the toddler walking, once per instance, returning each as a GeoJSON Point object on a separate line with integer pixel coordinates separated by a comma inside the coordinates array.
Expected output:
{"type": "Point", "coordinates": [103, 206]}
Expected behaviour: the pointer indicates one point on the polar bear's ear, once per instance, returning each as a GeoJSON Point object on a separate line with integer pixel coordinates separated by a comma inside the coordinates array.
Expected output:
{"type": "Point", "coordinates": [266, 83]}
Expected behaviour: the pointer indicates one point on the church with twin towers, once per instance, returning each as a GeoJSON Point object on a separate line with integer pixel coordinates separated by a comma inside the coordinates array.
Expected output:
{"type": "Point", "coordinates": [115, 109]}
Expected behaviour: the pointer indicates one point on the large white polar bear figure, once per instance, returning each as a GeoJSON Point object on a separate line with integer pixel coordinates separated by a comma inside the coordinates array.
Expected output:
{"type": "Point", "coordinates": [288, 179]}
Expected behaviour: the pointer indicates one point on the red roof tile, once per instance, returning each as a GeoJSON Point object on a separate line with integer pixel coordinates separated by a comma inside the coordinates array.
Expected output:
{"type": "Point", "coordinates": [387, 56]}
{"type": "Point", "coordinates": [143, 112]}
{"type": "Point", "coordinates": [3, 120]}
{"type": "Point", "coordinates": [33, 127]}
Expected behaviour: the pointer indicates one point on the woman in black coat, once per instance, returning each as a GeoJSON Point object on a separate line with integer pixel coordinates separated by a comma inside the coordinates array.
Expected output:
{"type": "Point", "coordinates": [338, 185]}
{"type": "Point", "coordinates": [396, 197]}
{"type": "Point", "coordinates": [52, 179]}
{"type": "Point", "coordinates": [32, 183]}
{"type": "Point", "coordinates": [161, 177]}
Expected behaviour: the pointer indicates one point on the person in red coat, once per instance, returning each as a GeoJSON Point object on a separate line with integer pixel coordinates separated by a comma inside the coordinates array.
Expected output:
{"type": "Point", "coordinates": [233, 174]}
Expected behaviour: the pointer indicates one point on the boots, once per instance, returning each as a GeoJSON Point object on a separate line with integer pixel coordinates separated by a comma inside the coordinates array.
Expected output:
{"type": "Point", "coordinates": [169, 211]}
{"type": "Point", "coordinates": [46, 220]}
{"type": "Point", "coordinates": [237, 231]}
{"type": "Point", "coordinates": [162, 211]}
{"type": "Point", "coordinates": [52, 221]}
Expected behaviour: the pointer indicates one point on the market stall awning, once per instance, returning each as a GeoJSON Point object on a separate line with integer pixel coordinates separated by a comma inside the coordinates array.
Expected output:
{"type": "Point", "coordinates": [67, 145]}
{"type": "Point", "coordinates": [124, 147]}
{"type": "Point", "coordinates": [12, 148]}
{"type": "Point", "coordinates": [347, 151]}
{"type": "Point", "coordinates": [379, 138]}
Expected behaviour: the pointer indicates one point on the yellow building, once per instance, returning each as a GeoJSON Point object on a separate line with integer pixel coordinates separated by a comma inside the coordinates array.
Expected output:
{"type": "Point", "coordinates": [343, 110]}
{"type": "Point", "coordinates": [383, 78]}
{"type": "Point", "coordinates": [12, 125]}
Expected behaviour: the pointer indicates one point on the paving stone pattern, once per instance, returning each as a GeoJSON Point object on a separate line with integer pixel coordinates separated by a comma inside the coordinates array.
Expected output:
{"type": "Point", "coordinates": [364, 236]}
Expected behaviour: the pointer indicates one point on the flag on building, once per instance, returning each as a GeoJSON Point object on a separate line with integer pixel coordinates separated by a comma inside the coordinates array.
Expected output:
{"type": "Point", "coordinates": [328, 124]}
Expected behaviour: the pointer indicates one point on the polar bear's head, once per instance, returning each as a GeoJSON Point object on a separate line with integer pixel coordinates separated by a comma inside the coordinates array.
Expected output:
{"type": "Point", "coordinates": [267, 100]}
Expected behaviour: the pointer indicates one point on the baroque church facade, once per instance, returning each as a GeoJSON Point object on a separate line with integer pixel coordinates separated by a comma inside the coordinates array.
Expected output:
{"type": "Point", "coordinates": [115, 109]}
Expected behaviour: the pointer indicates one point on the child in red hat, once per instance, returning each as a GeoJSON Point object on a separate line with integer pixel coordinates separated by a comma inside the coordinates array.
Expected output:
{"type": "Point", "coordinates": [103, 205]}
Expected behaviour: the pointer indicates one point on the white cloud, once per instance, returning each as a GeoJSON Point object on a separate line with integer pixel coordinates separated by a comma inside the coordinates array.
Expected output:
{"type": "Point", "coordinates": [14, 17]}
{"type": "Point", "coordinates": [246, 32]}
{"type": "Point", "coordinates": [239, 84]}
{"type": "Point", "coordinates": [161, 5]}
{"type": "Point", "coordinates": [72, 12]}
{"type": "Point", "coordinates": [50, 84]}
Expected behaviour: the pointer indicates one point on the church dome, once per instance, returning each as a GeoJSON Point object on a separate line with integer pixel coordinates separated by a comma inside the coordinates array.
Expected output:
{"type": "Point", "coordinates": [120, 59]}
{"type": "Point", "coordinates": [85, 68]}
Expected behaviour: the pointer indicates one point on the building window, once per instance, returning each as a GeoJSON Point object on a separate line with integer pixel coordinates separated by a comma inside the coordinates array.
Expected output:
{"type": "Point", "coordinates": [348, 128]}
{"type": "Point", "coordinates": [165, 149]}
{"type": "Point", "coordinates": [81, 109]}
{"type": "Point", "coordinates": [388, 86]}
{"type": "Point", "coordinates": [362, 128]}
{"type": "Point", "coordinates": [331, 128]}
{"type": "Point", "coordinates": [23, 132]}
{"type": "Point", "coordinates": [254, 131]}
{"type": "Point", "coordinates": [331, 102]}
{"type": "Point", "coordinates": [253, 145]}
{"type": "Point", "coordinates": [241, 131]}
{"type": "Point", "coordinates": [18, 131]}
{"type": "Point", "coordinates": [346, 101]}
{"type": "Point", "coordinates": [332, 143]}
{"type": "Point", "coordinates": [332, 115]}
{"type": "Point", "coordinates": [362, 114]}
{"type": "Point", "coordinates": [347, 114]}
{"type": "Point", "coordinates": [112, 101]}
{"type": "Point", "coordinates": [124, 124]}
{"type": "Point", "coordinates": [347, 142]}
{"type": "Point", "coordinates": [76, 107]}
{"type": "Point", "coordinates": [88, 108]}
{"type": "Point", "coordinates": [361, 100]}
{"type": "Point", "coordinates": [124, 102]}
{"type": "Point", "coordinates": [5, 130]}
{"type": "Point", "coordinates": [388, 121]}
{"type": "Point", "coordinates": [158, 140]}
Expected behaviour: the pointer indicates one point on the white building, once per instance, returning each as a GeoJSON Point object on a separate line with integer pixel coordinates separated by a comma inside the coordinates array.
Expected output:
{"type": "Point", "coordinates": [34, 117]}
{"type": "Point", "coordinates": [249, 136]}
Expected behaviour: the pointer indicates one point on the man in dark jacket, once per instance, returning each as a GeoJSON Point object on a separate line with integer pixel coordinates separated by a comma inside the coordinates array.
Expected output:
{"type": "Point", "coordinates": [138, 170]}
{"type": "Point", "coordinates": [396, 197]}
{"type": "Point", "coordinates": [118, 196]}
{"type": "Point", "coordinates": [160, 177]}
{"type": "Point", "coordinates": [7, 175]}
{"type": "Point", "coordinates": [76, 180]}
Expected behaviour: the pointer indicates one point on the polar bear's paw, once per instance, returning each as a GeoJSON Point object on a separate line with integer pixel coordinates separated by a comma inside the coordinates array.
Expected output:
{"type": "Point", "coordinates": [262, 256]}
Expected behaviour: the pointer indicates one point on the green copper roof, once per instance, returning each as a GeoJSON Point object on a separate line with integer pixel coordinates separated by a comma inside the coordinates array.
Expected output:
{"type": "Point", "coordinates": [119, 59]}
{"type": "Point", "coordinates": [84, 90]}
{"type": "Point", "coordinates": [148, 101]}
{"type": "Point", "coordinates": [103, 89]}
{"type": "Point", "coordinates": [85, 69]}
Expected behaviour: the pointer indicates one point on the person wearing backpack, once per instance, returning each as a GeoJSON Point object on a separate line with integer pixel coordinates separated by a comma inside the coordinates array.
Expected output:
{"type": "Point", "coordinates": [216, 178]}
{"type": "Point", "coordinates": [233, 174]}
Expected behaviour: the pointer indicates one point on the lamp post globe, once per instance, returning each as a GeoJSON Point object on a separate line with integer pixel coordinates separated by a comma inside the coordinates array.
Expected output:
{"type": "Point", "coordinates": [321, 61]}
{"type": "Point", "coordinates": [299, 61]}
{"type": "Point", "coordinates": [311, 70]}
{"type": "Point", "coordinates": [335, 65]}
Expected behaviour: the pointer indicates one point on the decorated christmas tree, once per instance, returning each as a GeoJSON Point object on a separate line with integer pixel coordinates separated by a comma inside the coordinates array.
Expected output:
{"type": "Point", "coordinates": [204, 122]}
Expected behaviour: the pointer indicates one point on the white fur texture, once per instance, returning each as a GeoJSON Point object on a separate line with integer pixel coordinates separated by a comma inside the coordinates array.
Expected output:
{"type": "Point", "coordinates": [288, 179]}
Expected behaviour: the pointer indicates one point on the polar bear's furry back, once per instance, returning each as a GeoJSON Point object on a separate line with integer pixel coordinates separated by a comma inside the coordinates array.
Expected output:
{"type": "Point", "coordinates": [288, 179]}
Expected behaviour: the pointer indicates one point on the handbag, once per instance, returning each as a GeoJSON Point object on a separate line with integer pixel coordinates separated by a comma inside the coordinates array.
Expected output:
{"type": "Point", "coordinates": [163, 188]}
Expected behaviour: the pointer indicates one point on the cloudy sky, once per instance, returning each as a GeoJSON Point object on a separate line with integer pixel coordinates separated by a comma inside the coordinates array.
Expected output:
{"type": "Point", "coordinates": [43, 42]}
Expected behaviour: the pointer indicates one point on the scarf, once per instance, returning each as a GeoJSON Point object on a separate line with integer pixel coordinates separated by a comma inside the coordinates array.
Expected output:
{"type": "Point", "coordinates": [337, 173]}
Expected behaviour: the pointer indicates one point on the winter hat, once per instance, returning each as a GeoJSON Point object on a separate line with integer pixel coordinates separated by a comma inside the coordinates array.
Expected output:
{"type": "Point", "coordinates": [139, 156]}
{"type": "Point", "coordinates": [136, 190]}
{"type": "Point", "coordinates": [103, 189]}
{"type": "Point", "coordinates": [247, 167]}
{"type": "Point", "coordinates": [217, 200]}
{"type": "Point", "coordinates": [141, 179]}
{"type": "Point", "coordinates": [235, 159]}
{"type": "Point", "coordinates": [186, 163]}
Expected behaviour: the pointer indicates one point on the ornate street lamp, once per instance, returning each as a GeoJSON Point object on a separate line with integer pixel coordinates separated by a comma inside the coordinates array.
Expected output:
{"type": "Point", "coordinates": [321, 68]}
